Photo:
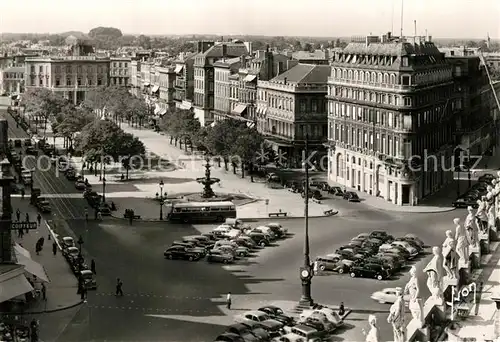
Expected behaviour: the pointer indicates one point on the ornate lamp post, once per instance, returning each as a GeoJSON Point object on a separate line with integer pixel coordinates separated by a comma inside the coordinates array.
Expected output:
{"type": "Point", "coordinates": [162, 199]}
{"type": "Point", "coordinates": [306, 271]}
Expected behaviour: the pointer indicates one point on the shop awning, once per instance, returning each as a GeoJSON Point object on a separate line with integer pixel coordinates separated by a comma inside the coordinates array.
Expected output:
{"type": "Point", "coordinates": [155, 89]}
{"type": "Point", "coordinates": [163, 112]}
{"type": "Point", "coordinates": [32, 267]}
{"type": "Point", "coordinates": [249, 78]}
{"type": "Point", "coordinates": [13, 287]}
{"type": "Point", "coordinates": [146, 84]}
{"type": "Point", "coordinates": [239, 109]}
{"type": "Point", "coordinates": [179, 68]}
{"type": "Point", "coordinates": [19, 249]}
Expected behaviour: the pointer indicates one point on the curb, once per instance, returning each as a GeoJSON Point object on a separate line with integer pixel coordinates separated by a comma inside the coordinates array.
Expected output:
{"type": "Point", "coordinates": [45, 311]}
{"type": "Point", "coordinates": [333, 213]}
{"type": "Point", "coordinates": [444, 210]}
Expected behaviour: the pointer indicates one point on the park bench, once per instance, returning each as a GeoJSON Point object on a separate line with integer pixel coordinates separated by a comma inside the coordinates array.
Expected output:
{"type": "Point", "coordinates": [136, 217]}
{"type": "Point", "coordinates": [284, 214]}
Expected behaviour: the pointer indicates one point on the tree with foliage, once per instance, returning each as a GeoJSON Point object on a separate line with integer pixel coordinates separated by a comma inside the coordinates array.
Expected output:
{"type": "Point", "coordinates": [307, 47]}
{"type": "Point", "coordinates": [129, 146]}
{"type": "Point", "coordinates": [43, 103]}
{"type": "Point", "coordinates": [247, 144]}
{"type": "Point", "coordinates": [72, 120]}
{"type": "Point", "coordinates": [181, 125]}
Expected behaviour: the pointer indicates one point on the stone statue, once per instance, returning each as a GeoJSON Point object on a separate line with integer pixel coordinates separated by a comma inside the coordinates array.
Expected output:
{"type": "Point", "coordinates": [397, 317]}
{"type": "Point", "coordinates": [449, 257]}
{"type": "Point", "coordinates": [490, 206]}
{"type": "Point", "coordinates": [372, 335]}
{"type": "Point", "coordinates": [471, 226]}
{"type": "Point", "coordinates": [462, 247]}
{"type": "Point", "coordinates": [415, 303]}
{"type": "Point", "coordinates": [435, 272]}
{"type": "Point", "coordinates": [482, 218]}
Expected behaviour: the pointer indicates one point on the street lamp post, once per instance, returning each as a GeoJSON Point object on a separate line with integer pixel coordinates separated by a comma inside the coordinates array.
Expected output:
{"type": "Point", "coordinates": [104, 184]}
{"type": "Point", "coordinates": [305, 271]}
{"type": "Point", "coordinates": [161, 200]}
{"type": "Point", "coordinates": [80, 257]}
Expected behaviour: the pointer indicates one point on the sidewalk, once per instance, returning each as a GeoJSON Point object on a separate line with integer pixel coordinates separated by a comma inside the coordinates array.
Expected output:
{"type": "Point", "coordinates": [61, 291]}
{"type": "Point", "coordinates": [182, 180]}
{"type": "Point", "coordinates": [481, 327]}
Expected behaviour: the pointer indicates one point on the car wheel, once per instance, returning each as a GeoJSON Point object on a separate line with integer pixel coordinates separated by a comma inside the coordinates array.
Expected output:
{"type": "Point", "coordinates": [262, 244]}
{"type": "Point", "coordinates": [220, 218]}
{"type": "Point", "coordinates": [322, 267]}
{"type": "Point", "coordinates": [353, 275]}
{"type": "Point", "coordinates": [379, 277]}
{"type": "Point", "coordinates": [241, 254]}
{"type": "Point", "coordinates": [341, 270]}
{"type": "Point", "coordinates": [190, 258]}
{"type": "Point", "coordinates": [225, 261]}
{"type": "Point", "coordinates": [169, 256]}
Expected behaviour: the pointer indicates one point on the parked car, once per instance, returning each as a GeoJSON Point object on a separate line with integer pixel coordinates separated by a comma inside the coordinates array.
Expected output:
{"type": "Point", "coordinates": [369, 271]}
{"type": "Point", "coordinates": [31, 151]}
{"type": "Point", "coordinates": [336, 190]}
{"type": "Point", "coordinates": [465, 201]}
{"type": "Point", "coordinates": [183, 253]}
{"type": "Point", "coordinates": [381, 235]}
{"type": "Point", "coordinates": [387, 247]}
{"type": "Point", "coordinates": [276, 313]}
{"type": "Point", "coordinates": [219, 256]}
{"type": "Point", "coordinates": [415, 239]}
{"type": "Point", "coordinates": [277, 226]}
{"type": "Point", "coordinates": [394, 255]}
{"type": "Point", "coordinates": [307, 333]}
{"type": "Point", "coordinates": [80, 185]}
{"type": "Point", "coordinates": [258, 329]}
{"type": "Point", "coordinates": [43, 205]}
{"type": "Point", "coordinates": [387, 295]}
{"type": "Point", "coordinates": [259, 238]}
{"type": "Point", "coordinates": [245, 241]}
{"type": "Point", "coordinates": [379, 261]}
{"type": "Point", "coordinates": [242, 330]}
{"type": "Point", "coordinates": [229, 337]}
{"type": "Point", "coordinates": [88, 279]}
{"type": "Point", "coordinates": [488, 177]}
{"type": "Point", "coordinates": [273, 325]}
{"type": "Point", "coordinates": [411, 243]}
{"type": "Point", "coordinates": [412, 251]}
{"type": "Point", "coordinates": [238, 251]}
{"type": "Point", "coordinates": [72, 253]}
{"type": "Point", "coordinates": [351, 196]}
{"type": "Point", "coordinates": [348, 254]}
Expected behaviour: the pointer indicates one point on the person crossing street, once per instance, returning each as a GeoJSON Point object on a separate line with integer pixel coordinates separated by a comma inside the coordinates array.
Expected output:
{"type": "Point", "coordinates": [18, 214]}
{"type": "Point", "coordinates": [119, 284]}
{"type": "Point", "coordinates": [39, 219]}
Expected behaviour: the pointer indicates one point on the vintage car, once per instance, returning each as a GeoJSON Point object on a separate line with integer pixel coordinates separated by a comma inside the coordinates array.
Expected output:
{"type": "Point", "coordinates": [88, 279]}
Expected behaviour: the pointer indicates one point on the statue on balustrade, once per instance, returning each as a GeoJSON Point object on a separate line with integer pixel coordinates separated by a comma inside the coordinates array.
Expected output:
{"type": "Point", "coordinates": [449, 255]}
{"type": "Point", "coordinates": [372, 335]}
{"type": "Point", "coordinates": [490, 207]}
{"type": "Point", "coordinates": [482, 217]}
{"type": "Point", "coordinates": [435, 272]}
{"type": "Point", "coordinates": [414, 303]}
{"type": "Point", "coordinates": [397, 317]}
{"type": "Point", "coordinates": [462, 242]}
{"type": "Point", "coordinates": [471, 227]}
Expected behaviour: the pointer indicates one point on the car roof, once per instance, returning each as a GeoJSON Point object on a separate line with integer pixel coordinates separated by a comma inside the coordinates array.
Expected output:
{"type": "Point", "coordinates": [67, 238]}
{"type": "Point", "coordinates": [305, 328]}
{"type": "Point", "coordinates": [255, 312]}
{"type": "Point", "coordinates": [86, 272]}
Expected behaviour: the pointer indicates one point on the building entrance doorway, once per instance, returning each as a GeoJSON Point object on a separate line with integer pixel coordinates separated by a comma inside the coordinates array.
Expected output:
{"type": "Point", "coordinates": [405, 194]}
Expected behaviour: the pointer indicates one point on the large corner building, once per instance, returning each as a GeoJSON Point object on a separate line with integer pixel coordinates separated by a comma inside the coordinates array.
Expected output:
{"type": "Point", "coordinates": [390, 104]}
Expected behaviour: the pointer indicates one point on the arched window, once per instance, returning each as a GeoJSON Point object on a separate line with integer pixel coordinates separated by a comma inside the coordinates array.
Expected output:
{"type": "Point", "coordinates": [386, 78]}
{"type": "Point", "coordinates": [356, 75]}
{"type": "Point", "coordinates": [339, 73]}
{"type": "Point", "coordinates": [340, 165]}
{"type": "Point", "coordinates": [361, 76]}
{"type": "Point", "coordinates": [379, 77]}
{"type": "Point", "coordinates": [349, 75]}
{"type": "Point", "coordinates": [373, 78]}
{"type": "Point", "coordinates": [393, 79]}
{"type": "Point", "coordinates": [344, 74]}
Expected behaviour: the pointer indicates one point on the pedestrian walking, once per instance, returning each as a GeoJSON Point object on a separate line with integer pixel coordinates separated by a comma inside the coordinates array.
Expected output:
{"type": "Point", "coordinates": [54, 248]}
{"type": "Point", "coordinates": [18, 214]}
{"type": "Point", "coordinates": [39, 219]}
{"type": "Point", "coordinates": [20, 233]}
{"type": "Point", "coordinates": [92, 266]}
{"type": "Point", "coordinates": [83, 293]}
{"type": "Point", "coordinates": [38, 247]}
{"type": "Point", "coordinates": [341, 309]}
{"type": "Point", "coordinates": [44, 292]}
{"type": "Point", "coordinates": [99, 215]}
{"type": "Point", "coordinates": [27, 217]}
{"type": "Point", "coordinates": [119, 284]}
{"type": "Point", "coordinates": [22, 193]}
{"type": "Point", "coordinates": [228, 301]}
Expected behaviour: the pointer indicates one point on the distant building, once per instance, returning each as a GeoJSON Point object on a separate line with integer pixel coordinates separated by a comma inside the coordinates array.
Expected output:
{"type": "Point", "coordinates": [391, 99]}
{"type": "Point", "coordinates": [204, 96]}
{"type": "Point", "coordinates": [321, 57]}
{"type": "Point", "coordinates": [119, 71]}
{"type": "Point", "coordinates": [12, 80]}
{"type": "Point", "coordinates": [184, 80]}
{"type": "Point", "coordinates": [71, 76]}
{"type": "Point", "coordinates": [292, 106]}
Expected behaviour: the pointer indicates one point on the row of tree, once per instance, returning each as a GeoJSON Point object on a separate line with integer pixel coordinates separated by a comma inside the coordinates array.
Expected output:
{"type": "Point", "coordinates": [232, 141]}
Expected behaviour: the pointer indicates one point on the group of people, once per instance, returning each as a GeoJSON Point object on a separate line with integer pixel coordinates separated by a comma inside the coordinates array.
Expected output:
{"type": "Point", "coordinates": [21, 232]}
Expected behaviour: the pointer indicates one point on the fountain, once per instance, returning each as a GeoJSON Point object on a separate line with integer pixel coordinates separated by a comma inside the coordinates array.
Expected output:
{"type": "Point", "coordinates": [207, 181]}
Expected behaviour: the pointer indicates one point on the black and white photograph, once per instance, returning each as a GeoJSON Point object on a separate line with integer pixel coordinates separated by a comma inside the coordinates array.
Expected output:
{"type": "Point", "coordinates": [249, 171]}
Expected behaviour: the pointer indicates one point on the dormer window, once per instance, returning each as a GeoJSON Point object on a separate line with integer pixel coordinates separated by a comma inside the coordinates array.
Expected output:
{"type": "Point", "coordinates": [354, 59]}
{"type": "Point", "coordinates": [404, 61]}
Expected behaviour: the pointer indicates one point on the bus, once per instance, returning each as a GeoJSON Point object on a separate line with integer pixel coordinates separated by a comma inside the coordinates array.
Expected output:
{"type": "Point", "coordinates": [202, 211]}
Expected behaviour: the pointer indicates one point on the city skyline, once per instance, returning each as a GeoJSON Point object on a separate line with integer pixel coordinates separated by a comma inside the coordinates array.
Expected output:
{"type": "Point", "coordinates": [278, 18]}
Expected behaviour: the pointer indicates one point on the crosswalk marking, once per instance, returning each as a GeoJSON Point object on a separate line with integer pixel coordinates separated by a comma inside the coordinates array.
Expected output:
{"type": "Point", "coordinates": [161, 310]}
{"type": "Point", "coordinates": [110, 294]}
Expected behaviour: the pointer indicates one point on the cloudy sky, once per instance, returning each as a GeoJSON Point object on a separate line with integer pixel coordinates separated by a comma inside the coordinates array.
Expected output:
{"type": "Point", "coordinates": [441, 18]}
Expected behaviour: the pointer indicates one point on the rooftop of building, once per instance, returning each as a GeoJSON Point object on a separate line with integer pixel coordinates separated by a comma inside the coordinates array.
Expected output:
{"type": "Point", "coordinates": [227, 62]}
{"type": "Point", "coordinates": [308, 55]}
{"type": "Point", "coordinates": [304, 74]}
{"type": "Point", "coordinates": [231, 50]}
